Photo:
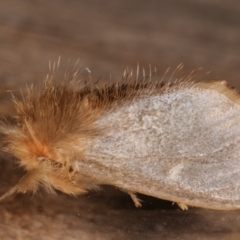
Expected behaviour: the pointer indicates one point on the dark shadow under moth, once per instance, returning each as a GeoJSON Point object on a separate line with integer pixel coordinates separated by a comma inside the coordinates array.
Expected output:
{"type": "Point", "coordinates": [175, 141]}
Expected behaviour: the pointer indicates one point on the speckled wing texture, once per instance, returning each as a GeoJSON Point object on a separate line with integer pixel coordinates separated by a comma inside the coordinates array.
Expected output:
{"type": "Point", "coordinates": [181, 145]}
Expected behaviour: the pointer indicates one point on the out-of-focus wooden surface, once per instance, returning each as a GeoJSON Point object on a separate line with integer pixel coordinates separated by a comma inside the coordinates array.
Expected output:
{"type": "Point", "coordinates": [106, 37]}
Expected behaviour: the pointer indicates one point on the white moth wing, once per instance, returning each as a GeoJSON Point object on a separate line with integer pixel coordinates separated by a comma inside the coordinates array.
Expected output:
{"type": "Point", "coordinates": [182, 146]}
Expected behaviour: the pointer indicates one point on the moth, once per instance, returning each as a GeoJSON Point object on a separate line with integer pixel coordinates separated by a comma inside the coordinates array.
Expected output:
{"type": "Point", "coordinates": [175, 141]}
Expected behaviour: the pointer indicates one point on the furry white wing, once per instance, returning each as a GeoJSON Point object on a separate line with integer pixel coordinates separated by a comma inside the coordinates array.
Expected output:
{"type": "Point", "coordinates": [181, 146]}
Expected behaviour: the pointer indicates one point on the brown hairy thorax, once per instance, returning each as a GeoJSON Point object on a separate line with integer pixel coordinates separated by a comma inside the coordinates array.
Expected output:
{"type": "Point", "coordinates": [51, 118]}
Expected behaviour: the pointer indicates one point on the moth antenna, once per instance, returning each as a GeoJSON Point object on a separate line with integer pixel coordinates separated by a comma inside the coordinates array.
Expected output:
{"type": "Point", "coordinates": [31, 181]}
{"type": "Point", "coordinates": [9, 193]}
{"type": "Point", "coordinates": [13, 190]}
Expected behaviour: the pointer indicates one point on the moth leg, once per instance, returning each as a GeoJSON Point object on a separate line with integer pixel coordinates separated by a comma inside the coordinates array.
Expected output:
{"type": "Point", "coordinates": [182, 206]}
{"type": "Point", "coordinates": [135, 199]}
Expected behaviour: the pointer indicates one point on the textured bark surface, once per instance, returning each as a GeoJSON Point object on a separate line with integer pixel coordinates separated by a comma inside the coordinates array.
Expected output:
{"type": "Point", "coordinates": [107, 36]}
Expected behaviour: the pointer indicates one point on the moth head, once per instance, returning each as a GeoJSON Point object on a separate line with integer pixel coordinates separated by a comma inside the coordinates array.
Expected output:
{"type": "Point", "coordinates": [46, 165]}
{"type": "Point", "coordinates": [49, 122]}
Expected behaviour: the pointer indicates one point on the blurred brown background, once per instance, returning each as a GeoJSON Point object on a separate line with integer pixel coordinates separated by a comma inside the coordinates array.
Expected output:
{"type": "Point", "coordinates": [106, 37]}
